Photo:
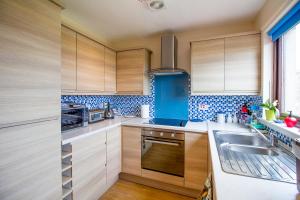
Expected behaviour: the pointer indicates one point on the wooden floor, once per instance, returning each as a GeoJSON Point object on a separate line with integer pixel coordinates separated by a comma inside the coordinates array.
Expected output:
{"type": "Point", "coordinates": [124, 190]}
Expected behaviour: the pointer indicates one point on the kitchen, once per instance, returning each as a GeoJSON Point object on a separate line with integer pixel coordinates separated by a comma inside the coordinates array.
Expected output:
{"type": "Point", "coordinates": [149, 99]}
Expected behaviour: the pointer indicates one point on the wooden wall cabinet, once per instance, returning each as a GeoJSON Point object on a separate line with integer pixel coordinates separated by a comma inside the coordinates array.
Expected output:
{"type": "Point", "coordinates": [68, 59]}
{"type": "Point", "coordinates": [89, 167]}
{"type": "Point", "coordinates": [132, 71]}
{"type": "Point", "coordinates": [207, 72]}
{"type": "Point", "coordinates": [90, 65]}
{"type": "Point", "coordinates": [110, 70]}
{"type": "Point", "coordinates": [87, 66]}
{"type": "Point", "coordinates": [196, 160]}
{"type": "Point", "coordinates": [226, 65]}
{"type": "Point", "coordinates": [242, 63]}
{"type": "Point", "coordinates": [131, 150]}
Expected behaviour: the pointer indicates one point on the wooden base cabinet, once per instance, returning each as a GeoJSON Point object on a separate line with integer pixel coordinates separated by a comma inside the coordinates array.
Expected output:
{"type": "Point", "coordinates": [196, 160]}
{"type": "Point", "coordinates": [89, 167]}
{"type": "Point", "coordinates": [131, 150]}
{"type": "Point", "coordinates": [113, 155]}
{"type": "Point", "coordinates": [96, 163]}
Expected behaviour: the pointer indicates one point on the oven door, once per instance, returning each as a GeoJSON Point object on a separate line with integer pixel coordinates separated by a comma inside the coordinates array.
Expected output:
{"type": "Point", "coordinates": [163, 155]}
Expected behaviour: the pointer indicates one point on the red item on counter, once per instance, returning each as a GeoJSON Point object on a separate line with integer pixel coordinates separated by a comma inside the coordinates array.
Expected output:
{"type": "Point", "coordinates": [244, 109]}
{"type": "Point", "coordinates": [290, 121]}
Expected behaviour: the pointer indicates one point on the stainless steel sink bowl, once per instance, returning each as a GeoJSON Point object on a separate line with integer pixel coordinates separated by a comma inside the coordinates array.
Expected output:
{"type": "Point", "coordinates": [253, 156]}
{"type": "Point", "coordinates": [243, 139]}
{"type": "Point", "coordinates": [252, 150]}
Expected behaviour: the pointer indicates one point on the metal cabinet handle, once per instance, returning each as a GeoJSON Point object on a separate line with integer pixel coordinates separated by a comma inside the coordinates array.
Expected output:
{"type": "Point", "coordinates": [162, 142]}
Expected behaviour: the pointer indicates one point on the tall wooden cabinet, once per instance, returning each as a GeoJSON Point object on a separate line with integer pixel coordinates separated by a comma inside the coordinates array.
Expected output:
{"type": "Point", "coordinates": [132, 71]}
{"type": "Point", "coordinates": [90, 65]}
{"type": "Point", "coordinates": [29, 61]}
{"type": "Point", "coordinates": [30, 161]}
{"type": "Point", "coordinates": [68, 59]}
{"type": "Point", "coordinates": [226, 65]}
{"type": "Point", "coordinates": [30, 158]}
{"type": "Point", "coordinates": [196, 160]}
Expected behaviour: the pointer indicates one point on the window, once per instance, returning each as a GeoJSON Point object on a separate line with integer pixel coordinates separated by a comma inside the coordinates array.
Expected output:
{"type": "Point", "coordinates": [290, 96]}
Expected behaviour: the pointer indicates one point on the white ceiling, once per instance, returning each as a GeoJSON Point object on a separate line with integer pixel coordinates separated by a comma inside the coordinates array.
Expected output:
{"type": "Point", "coordinates": [117, 19]}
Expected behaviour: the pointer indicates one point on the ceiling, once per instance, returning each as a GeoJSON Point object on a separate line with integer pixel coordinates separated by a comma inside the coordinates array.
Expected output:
{"type": "Point", "coordinates": [119, 19]}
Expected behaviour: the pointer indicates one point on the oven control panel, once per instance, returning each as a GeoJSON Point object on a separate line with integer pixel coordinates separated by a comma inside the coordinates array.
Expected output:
{"type": "Point", "coordinates": [160, 133]}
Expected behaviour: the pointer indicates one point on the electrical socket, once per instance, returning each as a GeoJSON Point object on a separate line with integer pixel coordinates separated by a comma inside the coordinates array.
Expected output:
{"type": "Point", "coordinates": [203, 107]}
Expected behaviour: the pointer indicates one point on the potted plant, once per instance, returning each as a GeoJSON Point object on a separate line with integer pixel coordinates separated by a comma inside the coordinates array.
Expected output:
{"type": "Point", "coordinates": [270, 109]}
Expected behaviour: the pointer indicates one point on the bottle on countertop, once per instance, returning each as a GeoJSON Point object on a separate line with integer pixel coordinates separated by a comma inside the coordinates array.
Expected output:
{"type": "Point", "coordinates": [229, 118]}
{"type": "Point", "coordinates": [235, 119]}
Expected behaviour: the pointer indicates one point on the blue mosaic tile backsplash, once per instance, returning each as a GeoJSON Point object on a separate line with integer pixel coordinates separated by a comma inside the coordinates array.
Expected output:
{"type": "Point", "coordinates": [130, 104]}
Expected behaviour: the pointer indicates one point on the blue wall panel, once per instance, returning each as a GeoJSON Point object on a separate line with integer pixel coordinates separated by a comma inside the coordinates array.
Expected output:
{"type": "Point", "coordinates": [171, 96]}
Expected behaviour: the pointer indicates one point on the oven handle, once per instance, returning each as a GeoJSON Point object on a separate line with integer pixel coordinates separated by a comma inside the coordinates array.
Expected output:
{"type": "Point", "coordinates": [162, 142]}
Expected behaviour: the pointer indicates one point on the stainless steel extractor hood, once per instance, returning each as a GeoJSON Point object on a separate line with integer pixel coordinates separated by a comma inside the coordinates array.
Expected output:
{"type": "Point", "coordinates": [168, 57]}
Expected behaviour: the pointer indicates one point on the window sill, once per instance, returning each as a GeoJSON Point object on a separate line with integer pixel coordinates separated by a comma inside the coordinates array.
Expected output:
{"type": "Point", "coordinates": [282, 128]}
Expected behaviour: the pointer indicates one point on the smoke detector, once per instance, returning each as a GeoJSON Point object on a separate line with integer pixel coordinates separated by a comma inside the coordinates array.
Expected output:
{"type": "Point", "coordinates": [153, 4]}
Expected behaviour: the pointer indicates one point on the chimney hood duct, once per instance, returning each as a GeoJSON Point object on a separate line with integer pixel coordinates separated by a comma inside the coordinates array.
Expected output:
{"type": "Point", "coordinates": [168, 57]}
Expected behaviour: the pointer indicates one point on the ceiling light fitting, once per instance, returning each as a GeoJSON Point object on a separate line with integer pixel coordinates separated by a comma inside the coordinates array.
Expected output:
{"type": "Point", "coordinates": [153, 4]}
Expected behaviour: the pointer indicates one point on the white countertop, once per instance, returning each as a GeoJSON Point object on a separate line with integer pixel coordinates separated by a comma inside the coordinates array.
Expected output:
{"type": "Point", "coordinates": [235, 187]}
{"type": "Point", "coordinates": [228, 186]}
{"type": "Point", "coordinates": [75, 134]}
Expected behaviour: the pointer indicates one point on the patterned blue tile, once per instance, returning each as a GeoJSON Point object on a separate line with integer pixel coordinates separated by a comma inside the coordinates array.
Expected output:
{"type": "Point", "coordinates": [129, 105]}
{"type": "Point", "coordinates": [283, 138]}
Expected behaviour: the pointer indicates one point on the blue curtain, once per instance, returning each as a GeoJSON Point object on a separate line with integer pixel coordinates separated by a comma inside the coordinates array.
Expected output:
{"type": "Point", "coordinates": [288, 21]}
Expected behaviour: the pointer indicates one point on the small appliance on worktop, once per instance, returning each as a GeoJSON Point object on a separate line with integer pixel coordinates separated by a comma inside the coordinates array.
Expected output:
{"type": "Point", "coordinates": [73, 116]}
{"type": "Point", "coordinates": [96, 115]}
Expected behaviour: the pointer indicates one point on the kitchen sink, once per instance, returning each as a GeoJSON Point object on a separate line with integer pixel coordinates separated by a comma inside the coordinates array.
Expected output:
{"type": "Point", "coordinates": [250, 154]}
{"type": "Point", "coordinates": [243, 139]}
{"type": "Point", "coordinates": [252, 150]}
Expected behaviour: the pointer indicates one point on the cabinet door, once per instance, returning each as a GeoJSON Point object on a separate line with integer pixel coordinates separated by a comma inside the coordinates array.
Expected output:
{"type": "Point", "coordinates": [30, 161]}
{"type": "Point", "coordinates": [130, 71]}
{"type": "Point", "coordinates": [113, 155]}
{"type": "Point", "coordinates": [90, 65]}
{"type": "Point", "coordinates": [29, 61]}
{"type": "Point", "coordinates": [196, 160]}
{"type": "Point", "coordinates": [110, 70]}
{"type": "Point", "coordinates": [131, 150]}
{"type": "Point", "coordinates": [88, 165]}
{"type": "Point", "coordinates": [68, 59]}
{"type": "Point", "coordinates": [242, 63]}
{"type": "Point", "coordinates": [207, 61]}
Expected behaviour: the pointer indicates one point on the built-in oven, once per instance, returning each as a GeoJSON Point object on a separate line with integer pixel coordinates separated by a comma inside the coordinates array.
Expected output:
{"type": "Point", "coordinates": [73, 116]}
{"type": "Point", "coordinates": [163, 151]}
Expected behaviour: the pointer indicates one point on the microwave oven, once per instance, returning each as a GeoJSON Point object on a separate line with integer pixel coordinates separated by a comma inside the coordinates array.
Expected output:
{"type": "Point", "coordinates": [73, 116]}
